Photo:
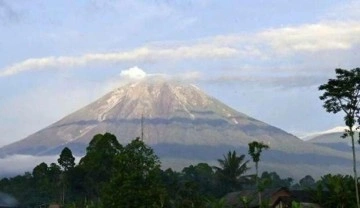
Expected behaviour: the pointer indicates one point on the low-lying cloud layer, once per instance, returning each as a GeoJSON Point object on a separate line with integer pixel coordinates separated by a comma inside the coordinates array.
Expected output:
{"type": "Point", "coordinates": [19, 164]}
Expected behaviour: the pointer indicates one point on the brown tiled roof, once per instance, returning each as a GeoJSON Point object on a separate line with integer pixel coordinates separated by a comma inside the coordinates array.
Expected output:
{"type": "Point", "coordinates": [232, 198]}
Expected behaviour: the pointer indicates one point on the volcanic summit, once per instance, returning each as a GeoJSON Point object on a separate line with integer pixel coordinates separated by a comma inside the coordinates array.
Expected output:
{"type": "Point", "coordinates": [178, 120]}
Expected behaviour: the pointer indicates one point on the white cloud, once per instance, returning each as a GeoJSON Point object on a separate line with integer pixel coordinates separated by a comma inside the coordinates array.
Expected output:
{"type": "Point", "coordinates": [136, 73]}
{"type": "Point", "coordinates": [266, 45]}
{"type": "Point", "coordinates": [312, 37]}
{"type": "Point", "coordinates": [337, 129]}
{"type": "Point", "coordinates": [136, 55]}
{"type": "Point", "coordinates": [317, 37]}
{"type": "Point", "coordinates": [133, 73]}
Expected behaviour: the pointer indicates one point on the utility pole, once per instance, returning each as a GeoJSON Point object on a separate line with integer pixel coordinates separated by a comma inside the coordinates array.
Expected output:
{"type": "Point", "coordinates": [142, 127]}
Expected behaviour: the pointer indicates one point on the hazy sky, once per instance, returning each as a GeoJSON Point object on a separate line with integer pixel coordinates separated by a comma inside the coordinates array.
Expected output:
{"type": "Point", "coordinates": [263, 58]}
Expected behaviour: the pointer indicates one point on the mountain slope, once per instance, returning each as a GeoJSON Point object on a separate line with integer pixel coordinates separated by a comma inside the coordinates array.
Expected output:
{"type": "Point", "coordinates": [172, 113]}
{"type": "Point", "coordinates": [332, 139]}
{"type": "Point", "coordinates": [180, 121]}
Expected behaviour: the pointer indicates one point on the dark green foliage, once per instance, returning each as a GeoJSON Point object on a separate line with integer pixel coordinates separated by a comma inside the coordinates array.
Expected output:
{"type": "Point", "coordinates": [54, 177]}
{"type": "Point", "coordinates": [197, 182]}
{"type": "Point", "coordinates": [40, 187]}
{"type": "Point", "coordinates": [110, 175]}
{"type": "Point", "coordinates": [98, 165]}
{"type": "Point", "coordinates": [217, 203]}
{"type": "Point", "coordinates": [76, 185]}
{"type": "Point", "coordinates": [22, 188]}
{"type": "Point", "coordinates": [203, 176]}
{"type": "Point", "coordinates": [136, 182]}
{"type": "Point", "coordinates": [171, 181]}
{"type": "Point", "coordinates": [273, 180]}
{"type": "Point", "coordinates": [231, 171]}
{"type": "Point", "coordinates": [46, 182]}
{"type": "Point", "coordinates": [335, 191]}
{"type": "Point", "coordinates": [66, 159]}
{"type": "Point", "coordinates": [67, 162]}
{"type": "Point", "coordinates": [255, 149]}
{"type": "Point", "coordinates": [343, 95]}
{"type": "Point", "coordinates": [307, 182]}
{"type": "Point", "coordinates": [188, 195]}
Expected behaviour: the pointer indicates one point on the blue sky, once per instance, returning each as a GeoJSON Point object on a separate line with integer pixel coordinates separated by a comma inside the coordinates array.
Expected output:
{"type": "Point", "coordinates": [263, 58]}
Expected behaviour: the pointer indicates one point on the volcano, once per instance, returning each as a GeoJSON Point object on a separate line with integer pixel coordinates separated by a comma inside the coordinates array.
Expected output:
{"type": "Point", "coordinates": [180, 122]}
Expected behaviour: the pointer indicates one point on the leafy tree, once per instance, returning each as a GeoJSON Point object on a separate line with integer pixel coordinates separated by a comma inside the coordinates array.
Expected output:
{"type": "Point", "coordinates": [54, 177]}
{"type": "Point", "coordinates": [171, 180]}
{"type": "Point", "coordinates": [67, 162]}
{"type": "Point", "coordinates": [188, 195]}
{"type": "Point", "coordinates": [137, 179]}
{"type": "Point", "coordinates": [335, 191]}
{"type": "Point", "coordinates": [231, 170]}
{"type": "Point", "coordinates": [98, 165]}
{"type": "Point", "coordinates": [22, 187]}
{"type": "Point", "coordinates": [318, 194]}
{"type": "Point", "coordinates": [41, 183]}
{"type": "Point", "coordinates": [40, 171]}
{"type": "Point", "coordinates": [77, 187]}
{"type": "Point", "coordinates": [195, 184]}
{"type": "Point", "coordinates": [307, 182]}
{"type": "Point", "coordinates": [54, 172]}
{"type": "Point", "coordinates": [273, 180]}
{"type": "Point", "coordinates": [203, 176]}
{"type": "Point", "coordinates": [342, 94]}
{"type": "Point", "coordinates": [189, 187]}
{"type": "Point", "coordinates": [40, 177]}
{"type": "Point", "coordinates": [255, 149]}
{"type": "Point", "coordinates": [66, 159]}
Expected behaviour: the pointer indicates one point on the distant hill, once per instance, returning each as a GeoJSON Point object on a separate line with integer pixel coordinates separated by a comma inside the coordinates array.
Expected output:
{"type": "Point", "coordinates": [183, 125]}
{"type": "Point", "coordinates": [332, 138]}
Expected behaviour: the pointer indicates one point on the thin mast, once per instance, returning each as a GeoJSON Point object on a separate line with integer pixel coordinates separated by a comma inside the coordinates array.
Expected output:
{"type": "Point", "coordinates": [142, 127]}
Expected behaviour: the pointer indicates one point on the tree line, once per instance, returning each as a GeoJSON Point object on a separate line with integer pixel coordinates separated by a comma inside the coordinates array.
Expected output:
{"type": "Point", "coordinates": [115, 175]}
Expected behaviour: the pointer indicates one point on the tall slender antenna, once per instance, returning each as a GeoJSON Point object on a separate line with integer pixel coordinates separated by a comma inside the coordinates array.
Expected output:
{"type": "Point", "coordinates": [142, 127]}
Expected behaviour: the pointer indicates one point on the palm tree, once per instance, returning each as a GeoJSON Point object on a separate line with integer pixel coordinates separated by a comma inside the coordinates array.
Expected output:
{"type": "Point", "coordinates": [255, 149]}
{"type": "Point", "coordinates": [231, 169]}
{"type": "Point", "coordinates": [339, 191]}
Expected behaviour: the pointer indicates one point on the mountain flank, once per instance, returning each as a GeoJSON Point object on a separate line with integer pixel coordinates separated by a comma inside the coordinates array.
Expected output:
{"type": "Point", "coordinates": [180, 122]}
